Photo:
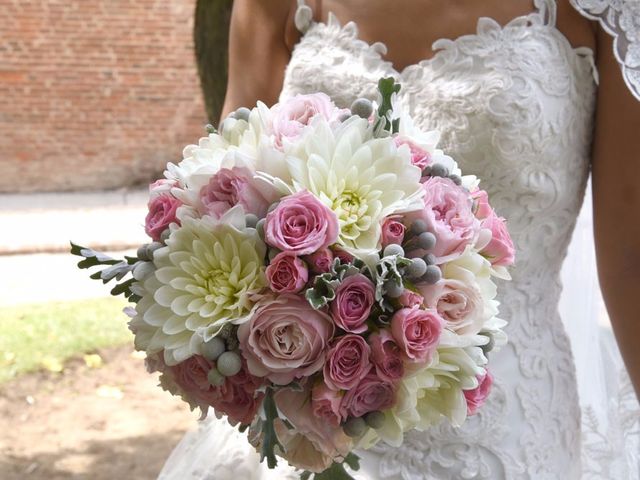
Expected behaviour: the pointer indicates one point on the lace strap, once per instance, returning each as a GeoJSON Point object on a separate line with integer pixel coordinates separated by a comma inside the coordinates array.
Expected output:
{"type": "Point", "coordinates": [304, 17]}
{"type": "Point", "coordinates": [621, 19]}
{"type": "Point", "coordinates": [547, 10]}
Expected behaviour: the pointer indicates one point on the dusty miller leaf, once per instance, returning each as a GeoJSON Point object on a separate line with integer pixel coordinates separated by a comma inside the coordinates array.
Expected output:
{"type": "Point", "coordinates": [270, 440]}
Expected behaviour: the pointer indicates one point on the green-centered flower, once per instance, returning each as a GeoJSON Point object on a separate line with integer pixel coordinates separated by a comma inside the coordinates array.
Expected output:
{"type": "Point", "coordinates": [210, 274]}
{"type": "Point", "coordinates": [361, 178]}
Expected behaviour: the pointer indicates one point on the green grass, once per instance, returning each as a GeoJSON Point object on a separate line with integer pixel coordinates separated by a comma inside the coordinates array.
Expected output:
{"type": "Point", "coordinates": [45, 335]}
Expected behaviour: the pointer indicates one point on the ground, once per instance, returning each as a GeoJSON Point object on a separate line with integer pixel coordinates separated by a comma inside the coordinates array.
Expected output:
{"type": "Point", "coordinates": [110, 422]}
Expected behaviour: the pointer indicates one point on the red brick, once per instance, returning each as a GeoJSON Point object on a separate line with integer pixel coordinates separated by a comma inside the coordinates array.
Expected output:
{"type": "Point", "coordinates": [96, 94]}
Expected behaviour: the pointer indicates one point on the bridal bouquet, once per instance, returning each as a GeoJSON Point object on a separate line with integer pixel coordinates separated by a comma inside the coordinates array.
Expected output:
{"type": "Point", "coordinates": [321, 277]}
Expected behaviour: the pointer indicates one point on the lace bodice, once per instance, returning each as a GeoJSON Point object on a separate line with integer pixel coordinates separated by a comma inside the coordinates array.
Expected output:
{"type": "Point", "coordinates": [515, 106]}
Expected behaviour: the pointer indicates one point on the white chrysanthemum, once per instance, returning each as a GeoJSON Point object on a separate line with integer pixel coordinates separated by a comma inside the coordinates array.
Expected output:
{"type": "Point", "coordinates": [240, 143]}
{"type": "Point", "coordinates": [361, 178]}
{"type": "Point", "coordinates": [208, 275]}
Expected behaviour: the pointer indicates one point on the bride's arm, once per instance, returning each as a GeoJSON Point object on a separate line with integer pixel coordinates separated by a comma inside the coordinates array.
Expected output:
{"type": "Point", "coordinates": [258, 52]}
{"type": "Point", "coordinates": [616, 204]}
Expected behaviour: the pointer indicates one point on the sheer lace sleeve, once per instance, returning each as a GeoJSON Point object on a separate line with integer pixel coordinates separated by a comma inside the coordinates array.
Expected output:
{"type": "Point", "coordinates": [621, 19]}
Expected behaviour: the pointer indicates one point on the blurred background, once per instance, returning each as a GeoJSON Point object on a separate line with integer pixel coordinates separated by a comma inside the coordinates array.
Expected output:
{"type": "Point", "coordinates": [96, 96]}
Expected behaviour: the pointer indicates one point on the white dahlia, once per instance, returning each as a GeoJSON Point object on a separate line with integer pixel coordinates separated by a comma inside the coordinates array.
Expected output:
{"type": "Point", "coordinates": [210, 274]}
{"type": "Point", "coordinates": [240, 143]}
{"type": "Point", "coordinates": [361, 178]}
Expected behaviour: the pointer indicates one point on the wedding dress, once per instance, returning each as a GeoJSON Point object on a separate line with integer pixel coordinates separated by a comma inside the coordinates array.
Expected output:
{"type": "Point", "coordinates": [515, 106]}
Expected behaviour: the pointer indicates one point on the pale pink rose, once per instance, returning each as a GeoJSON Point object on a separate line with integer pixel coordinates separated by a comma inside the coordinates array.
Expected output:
{"type": "Point", "coordinates": [285, 339]}
{"type": "Point", "coordinates": [386, 356]}
{"type": "Point", "coordinates": [500, 250]}
{"type": "Point", "coordinates": [293, 114]}
{"type": "Point", "coordinates": [162, 213]}
{"type": "Point", "coordinates": [410, 299]}
{"type": "Point", "coordinates": [161, 186]}
{"type": "Point", "coordinates": [320, 261]}
{"type": "Point", "coordinates": [392, 231]}
{"type": "Point", "coordinates": [419, 156]}
{"type": "Point", "coordinates": [371, 394]}
{"type": "Point", "coordinates": [347, 362]}
{"type": "Point", "coordinates": [417, 332]}
{"type": "Point", "coordinates": [230, 187]}
{"type": "Point", "coordinates": [481, 205]}
{"type": "Point", "coordinates": [476, 397]}
{"type": "Point", "coordinates": [314, 443]}
{"type": "Point", "coordinates": [460, 304]}
{"type": "Point", "coordinates": [449, 216]}
{"type": "Point", "coordinates": [325, 404]}
{"type": "Point", "coordinates": [287, 273]}
{"type": "Point", "coordinates": [301, 224]}
{"type": "Point", "coordinates": [354, 298]}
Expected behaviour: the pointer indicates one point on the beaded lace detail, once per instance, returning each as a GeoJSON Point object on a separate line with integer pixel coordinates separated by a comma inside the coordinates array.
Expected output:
{"type": "Point", "coordinates": [515, 106]}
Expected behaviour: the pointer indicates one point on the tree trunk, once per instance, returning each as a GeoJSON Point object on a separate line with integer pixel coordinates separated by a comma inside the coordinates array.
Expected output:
{"type": "Point", "coordinates": [211, 38]}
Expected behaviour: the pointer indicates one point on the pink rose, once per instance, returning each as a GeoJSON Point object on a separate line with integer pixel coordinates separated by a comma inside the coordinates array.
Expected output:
{"type": "Point", "coordinates": [347, 362]}
{"type": "Point", "coordinates": [325, 404]}
{"type": "Point", "coordinates": [236, 397]}
{"type": "Point", "coordinates": [392, 231]}
{"type": "Point", "coordinates": [460, 304]}
{"type": "Point", "coordinates": [162, 212]}
{"type": "Point", "coordinates": [417, 332]}
{"type": "Point", "coordinates": [419, 156]}
{"type": "Point", "coordinates": [287, 273]}
{"type": "Point", "coordinates": [301, 224]}
{"type": "Point", "coordinates": [354, 298]}
{"type": "Point", "coordinates": [500, 250]}
{"type": "Point", "coordinates": [285, 339]}
{"type": "Point", "coordinates": [449, 216]}
{"type": "Point", "coordinates": [230, 187]}
{"type": "Point", "coordinates": [476, 397]}
{"type": "Point", "coordinates": [320, 261]}
{"type": "Point", "coordinates": [160, 187]}
{"type": "Point", "coordinates": [293, 114]}
{"type": "Point", "coordinates": [386, 356]}
{"type": "Point", "coordinates": [371, 394]}
{"type": "Point", "coordinates": [410, 299]}
{"type": "Point", "coordinates": [481, 206]}
{"type": "Point", "coordinates": [314, 443]}
{"type": "Point", "coordinates": [344, 256]}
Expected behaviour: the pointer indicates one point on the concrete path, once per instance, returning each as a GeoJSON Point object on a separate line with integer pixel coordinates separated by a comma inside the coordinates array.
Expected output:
{"type": "Point", "coordinates": [46, 222]}
{"type": "Point", "coordinates": [35, 265]}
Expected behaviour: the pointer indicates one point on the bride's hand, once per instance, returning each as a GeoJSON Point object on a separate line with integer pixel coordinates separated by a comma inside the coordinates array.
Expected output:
{"type": "Point", "coordinates": [616, 201]}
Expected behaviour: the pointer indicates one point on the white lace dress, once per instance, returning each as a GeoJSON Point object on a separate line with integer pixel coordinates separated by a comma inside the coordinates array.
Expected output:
{"type": "Point", "coordinates": [515, 106]}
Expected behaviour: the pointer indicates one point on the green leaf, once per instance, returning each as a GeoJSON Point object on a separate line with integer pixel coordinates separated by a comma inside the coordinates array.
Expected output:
{"type": "Point", "coordinates": [353, 461]}
{"type": "Point", "coordinates": [115, 269]}
{"type": "Point", "coordinates": [387, 87]}
{"type": "Point", "coordinates": [270, 440]}
{"type": "Point", "coordinates": [91, 257]}
{"type": "Point", "coordinates": [123, 288]}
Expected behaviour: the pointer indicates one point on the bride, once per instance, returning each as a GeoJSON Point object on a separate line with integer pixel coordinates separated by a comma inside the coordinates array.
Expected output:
{"type": "Point", "coordinates": [531, 97]}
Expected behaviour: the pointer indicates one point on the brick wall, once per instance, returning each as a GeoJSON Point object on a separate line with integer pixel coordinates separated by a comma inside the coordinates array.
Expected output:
{"type": "Point", "coordinates": [95, 93]}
